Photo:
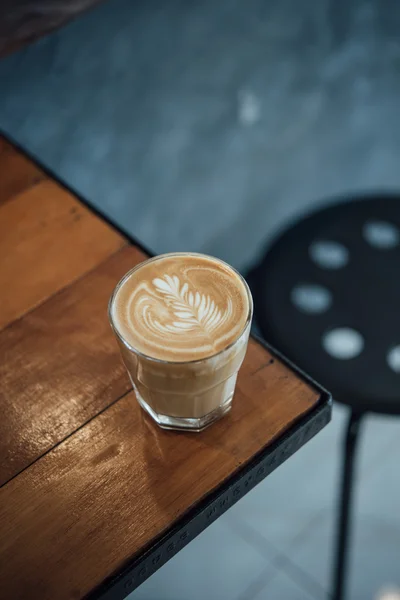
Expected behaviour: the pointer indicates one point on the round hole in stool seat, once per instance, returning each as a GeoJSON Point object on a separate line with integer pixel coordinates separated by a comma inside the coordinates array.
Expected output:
{"type": "Point", "coordinates": [382, 235]}
{"type": "Point", "coordinates": [311, 298]}
{"type": "Point", "coordinates": [393, 359]}
{"type": "Point", "coordinates": [328, 254]}
{"type": "Point", "coordinates": [343, 343]}
{"type": "Point", "coordinates": [364, 297]}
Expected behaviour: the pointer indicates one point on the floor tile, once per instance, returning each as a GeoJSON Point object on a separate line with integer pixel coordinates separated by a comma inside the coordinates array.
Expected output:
{"type": "Point", "coordinates": [374, 555]}
{"type": "Point", "coordinates": [313, 552]}
{"type": "Point", "coordinates": [282, 587]}
{"type": "Point", "coordinates": [217, 565]}
{"type": "Point", "coordinates": [379, 495]}
{"type": "Point", "coordinates": [374, 559]}
{"type": "Point", "coordinates": [379, 434]}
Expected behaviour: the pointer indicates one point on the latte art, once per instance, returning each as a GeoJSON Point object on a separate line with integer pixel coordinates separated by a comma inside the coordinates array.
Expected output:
{"type": "Point", "coordinates": [181, 307]}
{"type": "Point", "coordinates": [187, 310]}
{"type": "Point", "coordinates": [182, 323]}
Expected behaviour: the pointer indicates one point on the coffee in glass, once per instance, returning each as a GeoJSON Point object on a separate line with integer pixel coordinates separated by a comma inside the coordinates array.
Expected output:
{"type": "Point", "coordinates": [182, 322]}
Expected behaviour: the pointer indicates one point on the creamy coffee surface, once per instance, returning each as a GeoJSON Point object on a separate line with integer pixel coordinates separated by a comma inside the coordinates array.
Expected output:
{"type": "Point", "coordinates": [181, 307]}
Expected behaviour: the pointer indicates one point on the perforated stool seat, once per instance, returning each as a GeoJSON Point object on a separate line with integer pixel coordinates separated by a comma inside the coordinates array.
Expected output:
{"type": "Point", "coordinates": [327, 294]}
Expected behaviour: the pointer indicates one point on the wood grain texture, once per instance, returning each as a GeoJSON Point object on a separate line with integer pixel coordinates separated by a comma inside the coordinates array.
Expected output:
{"type": "Point", "coordinates": [99, 498]}
{"type": "Point", "coordinates": [47, 240]}
{"type": "Point", "coordinates": [60, 366]}
{"type": "Point", "coordinates": [17, 172]}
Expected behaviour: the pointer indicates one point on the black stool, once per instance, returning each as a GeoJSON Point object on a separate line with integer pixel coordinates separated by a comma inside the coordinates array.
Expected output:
{"type": "Point", "coordinates": [327, 294]}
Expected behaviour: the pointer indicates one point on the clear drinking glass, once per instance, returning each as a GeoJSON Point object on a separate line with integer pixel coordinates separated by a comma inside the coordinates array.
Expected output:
{"type": "Point", "coordinates": [186, 395]}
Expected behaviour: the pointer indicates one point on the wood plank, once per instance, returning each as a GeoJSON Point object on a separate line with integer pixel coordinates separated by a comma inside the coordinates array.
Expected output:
{"type": "Point", "coordinates": [47, 240]}
{"type": "Point", "coordinates": [17, 172]}
{"type": "Point", "coordinates": [96, 500]}
{"type": "Point", "coordinates": [60, 366]}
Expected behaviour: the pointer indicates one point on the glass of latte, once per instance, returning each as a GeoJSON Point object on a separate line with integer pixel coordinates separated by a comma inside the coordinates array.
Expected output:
{"type": "Point", "coordinates": [182, 322]}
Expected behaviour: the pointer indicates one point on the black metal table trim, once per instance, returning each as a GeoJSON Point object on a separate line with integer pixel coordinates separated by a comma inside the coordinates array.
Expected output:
{"type": "Point", "coordinates": [196, 520]}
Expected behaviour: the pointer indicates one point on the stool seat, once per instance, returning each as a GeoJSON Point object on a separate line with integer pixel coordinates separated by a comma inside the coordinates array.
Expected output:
{"type": "Point", "coordinates": [327, 294]}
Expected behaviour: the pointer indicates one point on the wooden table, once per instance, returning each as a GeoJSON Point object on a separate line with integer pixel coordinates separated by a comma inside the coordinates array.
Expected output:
{"type": "Point", "coordinates": [94, 497]}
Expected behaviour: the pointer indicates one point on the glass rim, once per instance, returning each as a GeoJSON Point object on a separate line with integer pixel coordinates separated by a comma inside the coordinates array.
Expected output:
{"type": "Point", "coordinates": [125, 277]}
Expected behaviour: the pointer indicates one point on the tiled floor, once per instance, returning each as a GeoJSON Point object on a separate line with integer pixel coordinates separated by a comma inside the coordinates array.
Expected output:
{"type": "Point", "coordinates": [209, 126]}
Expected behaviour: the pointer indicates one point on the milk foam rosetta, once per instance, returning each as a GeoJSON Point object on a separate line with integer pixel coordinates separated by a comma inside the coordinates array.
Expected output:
{"type": "Point", "coordinates": [181, 307]}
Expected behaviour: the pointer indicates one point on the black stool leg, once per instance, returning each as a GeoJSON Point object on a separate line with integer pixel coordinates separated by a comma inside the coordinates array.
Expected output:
{"type": "Point", "coordinates": [342, 543]}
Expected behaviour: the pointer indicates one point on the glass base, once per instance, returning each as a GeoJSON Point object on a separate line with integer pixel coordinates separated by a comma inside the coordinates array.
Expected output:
{"type": "Point", "coordinates": [186, 423]}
